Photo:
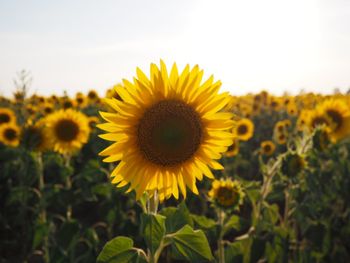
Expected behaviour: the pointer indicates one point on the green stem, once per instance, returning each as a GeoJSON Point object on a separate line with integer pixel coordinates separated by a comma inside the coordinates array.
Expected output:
{"type": "Point", "coordinates": [221, 218]}
{"type": "Point", "coordinates": [153, 203]}
{"type": "Point", "coordinates": [68, 186]}
{"type": "Point", "coordinates": [43, 217]}
{"type": "Point", "coordinates": [152, 208]}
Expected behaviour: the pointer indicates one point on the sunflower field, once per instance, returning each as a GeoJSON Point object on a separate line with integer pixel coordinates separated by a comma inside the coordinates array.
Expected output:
{"type": "Point", "coordinates": [166, 168]}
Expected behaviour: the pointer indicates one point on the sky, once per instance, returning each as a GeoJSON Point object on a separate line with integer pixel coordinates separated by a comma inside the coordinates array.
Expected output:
{"type": "Point", "coordinates": [275, 45]}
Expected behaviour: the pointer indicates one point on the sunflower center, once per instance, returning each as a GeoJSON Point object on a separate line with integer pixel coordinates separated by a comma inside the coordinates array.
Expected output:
{"type": "Point", "coordinates": [10, 134]}
{"type": "Point", "coordinates": [169, 133]}
{"type": "Point", "coordinates": [242, 129]}
{"type": "Point", "coordinates": [92, 95]}
{"type": "Point", "coordinates": [336, 117]}
{"type": "Point", "coordinates": [267, 148]}
{"type": "Point", "coordinates": [67, 104]}
{"type": "Point", "coordinates": [4, 118]}
{"type": "Point", "coordinates": [66, 130]}
{"type": "Point", "coordinates": [226, 196]}
{"type": "Point", "coordinates": [319, 121]}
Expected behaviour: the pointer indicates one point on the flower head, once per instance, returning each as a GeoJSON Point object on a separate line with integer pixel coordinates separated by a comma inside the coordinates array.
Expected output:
{"type": "Point", "coordinates": [166, 131]}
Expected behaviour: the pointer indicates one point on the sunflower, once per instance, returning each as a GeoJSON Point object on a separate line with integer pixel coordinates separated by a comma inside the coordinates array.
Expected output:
{"type": "Point", "coordinates": [92, 96]}
{"type": "Point", "coordinates": [226, 193]}
{"type": "Point", "coordinates": [233, 150]}
{"type": "Point", "coordinates": [302, 122]}
{"type": "Point", "coordinates": [47, 108]}
{"type": "Point", "coordinates": [7, 116]}
{"type": "Point", "coordinates": [244, 129]}
{"type": "Point", "coordinates": [281, 138]}
{"type": "Point", "coordinates": [67, 130]}
{"type": "Point", "coordinates": [317, 118]}
{"type": "Point", "coordinates": [80, 100]}
{"type": "Point", "coordinates": [34, 136]}
{"type": "Point", "coordinates": [10, 134]}
{"type": "Point", "coordinates": [292, 109]}
{"type": "Point", "coordinates": [338, 113]}
{"type": "Point", "coordinates": [167, 131]}
{"type": "Point", "coordinates": [93, 120]}
{"type": "Point", "coordinates": [267, 148]}
{"type": "Point", "coordinates": [67, 103]}
{"type": "Point", "coordinates": [293, 164]}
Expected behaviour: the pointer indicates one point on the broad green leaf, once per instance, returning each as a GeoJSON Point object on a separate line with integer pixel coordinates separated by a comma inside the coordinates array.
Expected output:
{"type": "Point", "coordinates": [68, 234]}
{"type": "Point", "coordinates": [235, 222]}
{"type": "Point", "coordinates": [203, 222]}
{"type": "Point", "coordinates": [191, 244]}
{"type": "Point", "coordinates": [153, 230]}
{"type": "Point", "coordinates": [233, 252]}
{"type": "Point", "coordinates": [176, 218]}
{"type": "Point", "coordinates": [120, 250]}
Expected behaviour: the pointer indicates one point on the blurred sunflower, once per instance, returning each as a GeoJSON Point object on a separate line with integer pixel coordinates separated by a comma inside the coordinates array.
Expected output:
{"type": "Point", "coordinates": [10, 134]}
{"type": "Point", "coordinates": [93, 120]}
{"type": "Point", "coordinates": [92, 96]}
{"type": "Point", "coordinates": [293, 164]}
{"type": "Point", "coordinates": [281, 138]}
{"type": "Point", "coordinates": [244, 129]}
{"type": "Point", "coordinates": [34, 136]}
{"type": "Point", "coordinates": [7, 116]}
{"type": "Point", "coordinates": [47, 108]}
{"type": "Point", "coordinates": [80, 100]}
{"type": "Point", "coordinates": [267, 148]}
{"type": "Point", "coordinates": [233, 150]}
{"type": "Point", "coordinates": [338, 113]}
{"type": "Point", "coordinates": [226, 193]}
{"type": "Point", "coordinates": [67, 130]}
{"type": "Point", "coordinates": [167, 131]}
{"type": "Point", "coordinates": [67, 103]}
{"type": "Point", "coordinates": [317, 118]}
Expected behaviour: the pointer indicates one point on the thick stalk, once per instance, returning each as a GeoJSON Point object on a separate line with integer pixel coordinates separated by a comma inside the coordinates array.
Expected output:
{"type": "Point", "coordinates": [43, 218]}
{"type": "Point", "coordinates": [152, 208]}
{"type": "Point", "coordinates": [221, 218]}
{"type": "Point", "coordinates": [68, 186]}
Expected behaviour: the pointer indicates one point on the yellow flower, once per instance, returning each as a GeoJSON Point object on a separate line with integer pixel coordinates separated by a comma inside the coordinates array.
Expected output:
{"type": "Point", "coordinates": [67, 103]}
{"type": "Point", "coordinates": [80, 100]}
{"type": "Point", "coordinates": [166, 131]}
{"type": "Point", "coordinates": [226, 193]}
{"type": "Point", "coordinates": [338, 113]}
{"type": "Point", "coordinates": [92, 96]}
{"type": "Point", "coordinates": [7, 116]}
{"type": "Point", "coordinates": [10, 134]}
{"type": "Point", "coordinates": [317, 118]}
{"type": "Point", "coordinates": [47, 108]}
{"type": "Point", "coordinates": [67, 130]}
{"type": "Point", "coordinates": [267, 148]}
{"type": "Point", "coordinates": [233, 150]}
{"type": "Point", "coordinates": [281, 138]}
{"type": "Point", "coordinates": [292, 109]}
{"type": "Point", "coordinates": [93, 120]}
{"type": "Point", "coordinates": [244, 129]}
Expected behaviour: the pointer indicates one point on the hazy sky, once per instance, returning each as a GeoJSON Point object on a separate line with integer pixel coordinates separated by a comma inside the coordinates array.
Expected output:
{"type": "Point", "coordinates": [249, 45]}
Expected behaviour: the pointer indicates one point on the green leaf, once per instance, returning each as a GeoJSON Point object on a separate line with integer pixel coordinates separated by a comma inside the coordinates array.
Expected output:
{"type": "Point", "coordinates": [176, 218]}
{"type": "Point", "coordinates": [235, 222]}
{"type": "Point", "coordinates": [191, 244]}
{"type": "Point", "coordinates": [203, 222]}
{"type": "Point", "coordinates": [271, 212]}
{"type": "Point", "coordinates": [233, 252]}
{"type": "Point", "coordinates": [120, 250]}
{"type": "Point", "coordinates": [153, 230]}
{"type": "Point", "coordinates": [41, 231]}
{"type": "Point", "coordinates": [68, 234]}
